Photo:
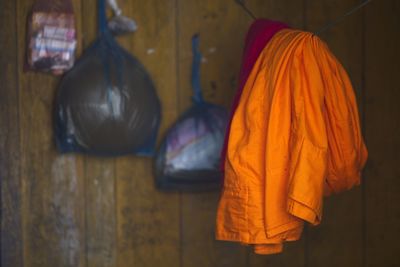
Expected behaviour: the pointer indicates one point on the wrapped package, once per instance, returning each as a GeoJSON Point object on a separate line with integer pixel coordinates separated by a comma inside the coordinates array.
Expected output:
{"type": "Point", "coordinates": [51, 36]}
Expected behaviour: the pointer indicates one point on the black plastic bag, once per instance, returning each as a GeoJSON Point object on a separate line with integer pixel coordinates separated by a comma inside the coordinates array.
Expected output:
{"type": "Point", "coordinates": [107, 104]}
{"type": "Point", "coordinates": [189, 156]}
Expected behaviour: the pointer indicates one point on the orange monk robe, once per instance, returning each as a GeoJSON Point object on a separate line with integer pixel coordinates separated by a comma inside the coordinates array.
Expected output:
{"type": "Point", "coordinates": [295, 136]}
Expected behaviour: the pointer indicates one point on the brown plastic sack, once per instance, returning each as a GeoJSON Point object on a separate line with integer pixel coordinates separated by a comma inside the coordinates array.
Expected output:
{"type": "Point", "coordinates": [107, 105]}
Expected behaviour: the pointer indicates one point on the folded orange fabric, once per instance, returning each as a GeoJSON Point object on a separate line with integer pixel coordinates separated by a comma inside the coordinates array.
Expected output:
{"type": "Point", "coordinates": [294, 138]}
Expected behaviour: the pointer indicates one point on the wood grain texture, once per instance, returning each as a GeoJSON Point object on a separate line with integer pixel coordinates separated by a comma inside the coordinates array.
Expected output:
{"type": "Point", "coordinates": [100, 212]}
{"type": "Point", "coordinates": [148, 220]}
{"type": "Point", "coordinates": [288, 11]}
{"type": "Point", "coordinates": [382, 113]}
{"type": "Point", "coordinates": [100, 190]}
{"type": "Point", "coordinates": [222, 27]}
{"type": "Point", "coordinates": [52, 184]}
{"type": "Point", "coordinates": [342, 213]}
{"type": "Point", "coordinates": [10, 185]}
{"type": "Point", "coordinates": [74, 210]}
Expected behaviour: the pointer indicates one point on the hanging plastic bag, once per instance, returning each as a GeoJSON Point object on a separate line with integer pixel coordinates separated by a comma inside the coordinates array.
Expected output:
{"type": "Point", "coordinates": [189, 156]}
{"type": "Point", "coordinates": [120, 24]}
{"type": "Point", "coordinates": [107, 104]}
{"type": "Point", "coordinates": [51, 36]}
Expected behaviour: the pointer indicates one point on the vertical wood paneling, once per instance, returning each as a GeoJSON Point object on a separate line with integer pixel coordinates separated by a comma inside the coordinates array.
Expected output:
{"type": "Point", "coordinates": [148, 220]}
{"type": "Point", "coordinates": [100, 212]}
{"type": "Point", "coordinates": [72, 210]}
{"type": "Point", "coordinates": [287, 11]}
{"type": "Point", "coordinates": [100, 191]}
{"type": "Point", "coordinates": [10, 185]}
{"type": "Point", "coordinates": [382, 112]}
{"type": "Point", "coordinates": [343, 212]}
{"type": "Point", "coordinates": [52, 184]}
{"type": "Point", "coordinates": [290, 12]}
{"type": "Point", "coordinates": [222, 27]}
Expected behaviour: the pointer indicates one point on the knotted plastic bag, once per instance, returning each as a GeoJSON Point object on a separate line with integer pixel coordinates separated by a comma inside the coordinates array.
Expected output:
{"type": "Point", "coordinates": [107, 104]}
{"type": "Point", "coordinates": [119, 24]}
{"type": "Point", "coordinates": [51, 37]}
{"type": "Point", "coordinates": [189, 156]}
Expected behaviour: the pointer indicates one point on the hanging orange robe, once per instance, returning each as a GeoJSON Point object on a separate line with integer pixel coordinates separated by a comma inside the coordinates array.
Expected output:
{"type": "Point", "coordinates": [295, 136]}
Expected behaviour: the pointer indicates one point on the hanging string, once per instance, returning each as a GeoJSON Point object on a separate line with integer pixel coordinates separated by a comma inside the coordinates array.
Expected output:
{"type": "Point", "coordinates": [245, 8]}
{"type": "Point", "coordinates": [322, 29]}
{"type": "Point", "coordinates": [339, 19]}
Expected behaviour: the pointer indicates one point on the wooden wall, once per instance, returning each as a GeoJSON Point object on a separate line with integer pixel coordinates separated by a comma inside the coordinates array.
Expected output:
{"type": "Point", "coordinates": [73, 210]}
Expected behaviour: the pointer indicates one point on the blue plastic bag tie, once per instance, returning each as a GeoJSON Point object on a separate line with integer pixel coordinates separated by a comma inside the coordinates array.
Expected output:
{"type": "Point", "coordinates": [196, 84]}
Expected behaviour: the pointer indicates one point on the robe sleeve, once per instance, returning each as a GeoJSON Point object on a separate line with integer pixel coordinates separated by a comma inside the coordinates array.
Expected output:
{"type": "Point", "coordinates": [309, 140]}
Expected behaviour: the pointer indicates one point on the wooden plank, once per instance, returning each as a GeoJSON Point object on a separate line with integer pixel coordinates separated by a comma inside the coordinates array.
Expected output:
{"type": "Point", "coordinates": [293, 253]}
{"type": "Point", "coordinates": [10, 185]}
{"type": "Point", "coordinates": [100, 192]}
{"type": "Point", "coordinates": [339, 238]}
{"type": "Point", "coordinates": [53, 224]}
{"type": "Point", "coordinates": [222, 27]}
{"type": "Point", "coordinates": [148, 220]}
{"type": "Point", "coordinates": [290, 12]}
{"type": "Point", "coordinates": [382, 113]}
{"type": "Point", "coordinates": [100, 212]}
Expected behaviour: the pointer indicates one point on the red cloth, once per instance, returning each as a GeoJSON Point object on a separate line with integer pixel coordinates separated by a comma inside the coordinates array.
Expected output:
{"type": "Point", "coordinates": [259, 34]}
